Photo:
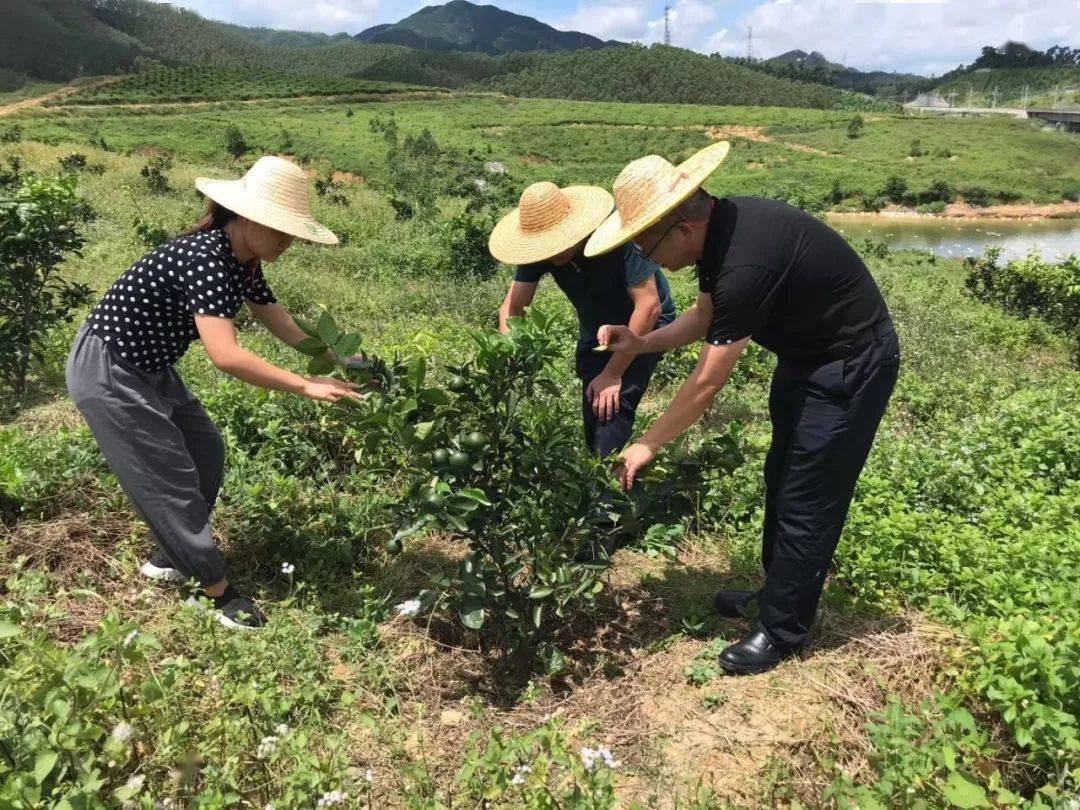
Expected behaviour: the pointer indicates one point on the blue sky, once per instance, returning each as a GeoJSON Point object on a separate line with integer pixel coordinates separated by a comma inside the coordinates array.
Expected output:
{"type": "Point", "coordinates": [921, 36]}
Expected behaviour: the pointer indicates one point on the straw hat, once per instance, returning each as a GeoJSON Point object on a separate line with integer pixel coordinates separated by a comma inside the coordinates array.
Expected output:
{"type": "Point", "coordinates": [647, 190]}
{"type": "Point", "coordinates": [548, 221]}
{"type": "Point", "coordinates": [273, 193]}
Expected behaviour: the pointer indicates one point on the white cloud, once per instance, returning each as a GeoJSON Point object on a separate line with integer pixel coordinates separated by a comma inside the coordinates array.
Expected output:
{"type": "Point", "coordinates": [327, 16]}
{"type": "Point", "coordinates": [906, 35]}
{"type": "Point", "coordinates": [925, 37]}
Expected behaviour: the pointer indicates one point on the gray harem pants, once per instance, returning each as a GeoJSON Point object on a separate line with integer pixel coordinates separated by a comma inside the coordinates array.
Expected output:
{"type": "Point", "coordinates": [160, 444]}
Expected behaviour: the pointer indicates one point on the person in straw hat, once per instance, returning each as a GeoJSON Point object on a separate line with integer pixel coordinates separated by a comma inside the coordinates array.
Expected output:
{"type": "Point", "coordinates": [155, 435]}
{"type": "Point", "coordinates": [774, 274]}
{"type": "Point", "coordinates": [545, 235]}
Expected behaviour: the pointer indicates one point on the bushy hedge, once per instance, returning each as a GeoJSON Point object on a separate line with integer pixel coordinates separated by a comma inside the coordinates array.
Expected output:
{"type": "Point", "coordinates": [1030, 288]}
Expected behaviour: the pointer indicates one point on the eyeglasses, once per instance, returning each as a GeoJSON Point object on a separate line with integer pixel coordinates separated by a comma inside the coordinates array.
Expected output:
{"type": "Point", "coordinates": [660, 241]}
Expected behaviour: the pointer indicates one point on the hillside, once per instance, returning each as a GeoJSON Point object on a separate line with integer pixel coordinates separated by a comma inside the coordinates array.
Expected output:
{"type": "Point", "coordinates": [1045, 86]}
{"type": "Point", "coordinates": [657, 74]}
{"type": "Point", "coordinates": [61, 39]}
{"type": "Point", "coordinates": [463, 26]}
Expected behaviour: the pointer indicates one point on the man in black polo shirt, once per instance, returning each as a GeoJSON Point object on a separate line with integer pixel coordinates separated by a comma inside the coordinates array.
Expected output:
{"type": "Point", "coordinates": [546, 235]}
{"type": "Point", "coordinates": [776, 275]}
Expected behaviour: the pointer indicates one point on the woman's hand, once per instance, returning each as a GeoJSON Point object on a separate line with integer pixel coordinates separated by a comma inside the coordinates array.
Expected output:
{"type": "Point", "coordinates": [327, 389]}
{"type": "Point", "coordinates": [620, 339]}
{"type": "Point", "coordinates": [631, 461]}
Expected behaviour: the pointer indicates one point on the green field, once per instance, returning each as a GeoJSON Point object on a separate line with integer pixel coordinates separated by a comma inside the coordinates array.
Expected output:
{"type": "Point", "coordinates": [946, 670]}
{"type": "Point", "coordinates": [794, 154]}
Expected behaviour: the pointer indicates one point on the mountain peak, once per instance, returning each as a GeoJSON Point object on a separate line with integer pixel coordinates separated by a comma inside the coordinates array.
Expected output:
{"type": "Point", "coordinates": [460, 25]}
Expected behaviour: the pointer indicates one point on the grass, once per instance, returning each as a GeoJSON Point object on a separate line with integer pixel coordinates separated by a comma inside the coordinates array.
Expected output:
{"type": "Point", "coordinates": [953, 515]}
{"type": "Point", "coordinates": [796, 154]}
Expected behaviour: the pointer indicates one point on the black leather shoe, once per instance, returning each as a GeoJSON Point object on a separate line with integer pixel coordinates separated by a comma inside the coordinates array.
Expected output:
{"type": "Point", "coordinates": [753, 654]}
{"type": "Point", "coordinates": [734, 604]}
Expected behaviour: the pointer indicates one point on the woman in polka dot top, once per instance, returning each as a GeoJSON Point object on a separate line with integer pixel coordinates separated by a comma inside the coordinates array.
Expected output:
{"type": "Point", "coordinates": [158, 440]}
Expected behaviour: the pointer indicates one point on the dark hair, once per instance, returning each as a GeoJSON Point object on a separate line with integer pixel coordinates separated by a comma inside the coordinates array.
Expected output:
{"type": "Point", "coordinates": [215, 216]}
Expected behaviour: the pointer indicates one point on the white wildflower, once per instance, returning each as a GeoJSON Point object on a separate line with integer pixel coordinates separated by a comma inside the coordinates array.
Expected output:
{"type": "Point", "coordinates": [287, 568]}
{"type": "Point", "coordinates": [130, 637]}
{"type": "Point", "coordinates": [591, 756]}
{"type": "Point", "coordinates": [408, 608]}
{"type": "Point", "coordinates": [369, 775]}
{"type": "Point", "coordinates": [267, 747]}
{"type": "Point", "coordinates": [521, 772]}
{"type": "Point", "coordinates": [168, 803]}
{"type": "Point", "coordinates": [332, 799]}
{"type": "Point", "coordinates": [134, 784]}
{"type": "Point", "coordinates": [123, 732]}
{"type": "Point", "coordinates": [281, 730]}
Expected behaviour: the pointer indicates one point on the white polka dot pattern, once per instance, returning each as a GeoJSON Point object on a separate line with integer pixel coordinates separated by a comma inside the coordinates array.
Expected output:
{"type": "Point", "coordinates": [148, 316]}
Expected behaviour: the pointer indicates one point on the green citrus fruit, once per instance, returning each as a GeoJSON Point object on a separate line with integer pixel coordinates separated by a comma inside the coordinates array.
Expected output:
{"type": "Point", "coordinates": [459, 460]}
{"type": "Point", "coordinates": [458, 383]}
{"type": "Point", "coordinates": [393, 545]}
{"type": "Point", "coordinates": [475, 440]}
{"type": "Point", "coordinates": [435, 500]}
{"type": "Point", "coordinates": [440, 456]}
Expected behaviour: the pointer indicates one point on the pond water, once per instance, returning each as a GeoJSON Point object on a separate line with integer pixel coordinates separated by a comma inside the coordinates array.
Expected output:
{"type": "Point", "coordinates": [955, 238]}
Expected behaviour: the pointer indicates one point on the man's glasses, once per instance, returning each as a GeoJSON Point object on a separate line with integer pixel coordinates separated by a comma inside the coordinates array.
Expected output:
{"type": "Point", "coordinates": [660, 241]}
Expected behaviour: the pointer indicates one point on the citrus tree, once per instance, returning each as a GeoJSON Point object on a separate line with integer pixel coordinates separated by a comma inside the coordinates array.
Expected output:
{"type": "Point", "coordinates": [38, 228]}
{"type": "Point", "coordinates": [496, 461]}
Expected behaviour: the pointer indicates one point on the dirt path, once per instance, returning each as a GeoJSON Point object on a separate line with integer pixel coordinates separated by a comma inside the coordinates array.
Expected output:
{"type": "Point", "coordinates": [62, 92]}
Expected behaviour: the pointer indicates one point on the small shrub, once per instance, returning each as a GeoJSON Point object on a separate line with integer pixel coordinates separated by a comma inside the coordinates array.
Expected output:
{"type": "Point", "coordinates": [465, 238]}
{"type": "Point", "coordinates": [894, 189]}
{"type": "Point", "coordinates": [74, 163]}
{"type": "Point", "coordinates": [11, 134]}
{"type": "Point", "coordinates": [150, 234]}
{"type": "Point", "coordinates": [235, 143]}
{"type": "Point", "coordinates": [38, 228]}
{"type": "Point", "coordinates": [855, 126]}
{"type": "Point", "coordinates": [915, 150]}
{"type": "Point", "coordinates": [975, 195]}
{"type": "Point", "coordinates": [329, 189]}
{"type": "Point", "coordinates": [154, 174]}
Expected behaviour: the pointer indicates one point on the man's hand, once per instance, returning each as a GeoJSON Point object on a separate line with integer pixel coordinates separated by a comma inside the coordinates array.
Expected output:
{"type": "Point", "coordinates": [631, 461]}
{"type": "Point", "coordinates": [620, 339]}
{"type": "Point", "coordinates": [603, 392]}
{"type": "Point", "coordinates": [328, 389]}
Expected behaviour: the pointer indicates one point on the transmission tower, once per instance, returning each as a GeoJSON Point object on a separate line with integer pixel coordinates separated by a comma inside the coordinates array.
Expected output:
{"type": "Point", "coordinates": [667, 25]}
{"type": "Point", "coordinates": [750, 44]}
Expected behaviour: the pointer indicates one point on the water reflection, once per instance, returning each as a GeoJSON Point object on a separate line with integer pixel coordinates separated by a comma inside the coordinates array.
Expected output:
{"type": "Point", "coordinates": [1053, 239]}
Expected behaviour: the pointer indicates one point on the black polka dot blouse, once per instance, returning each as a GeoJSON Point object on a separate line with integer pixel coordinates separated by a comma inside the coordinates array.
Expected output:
{"type": "Point", "coordinates": [148, 316]}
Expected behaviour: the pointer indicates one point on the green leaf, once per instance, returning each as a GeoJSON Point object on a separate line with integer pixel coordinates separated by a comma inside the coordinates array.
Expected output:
{"type": "Point", "coordinates": [9, 630]}
{"type": "Point", "coordinates": [310, 346]}
{"type": "Point", "coordinates": [44, 765]}
{"type": "Point", "coordinates": [347, 345]}
{"type": "Point", "coordinates": [307, 327]}
{"type": "Point", "coordinates": [423, 430]}
{"type": "Point", "coordinates": [538, 614]}
{"type": "Point", "coordinates": [474, 494]}
{"type": "Point", "coordinates": [417, 370]}
{"type": "Point", "coordinates": [539, 593]}
{"type": "Point", "coordinates": [327, 330]}
{"type": "Point", "coordinates": [962, 791]}
{"type": "Point", "coordinates": [472, 617]}
{"type": "Point", "coordinates": [320, 365]}
{"type": "Point", "coordinates": [434, 396]}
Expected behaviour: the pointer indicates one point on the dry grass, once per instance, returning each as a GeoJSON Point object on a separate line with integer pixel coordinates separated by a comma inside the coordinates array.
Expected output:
{"type": "Point", "coordinates": [761, 740]}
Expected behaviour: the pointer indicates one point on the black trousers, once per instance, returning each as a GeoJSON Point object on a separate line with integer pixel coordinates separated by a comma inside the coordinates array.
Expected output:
{"type": "Point", "coordinates": [824, 418]}
{"type": "Point", "coordinates": [606, 438]}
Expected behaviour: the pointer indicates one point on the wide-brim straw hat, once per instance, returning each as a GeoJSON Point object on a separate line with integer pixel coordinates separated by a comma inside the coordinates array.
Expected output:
{"type": "Point", "coordinates": [274, 193]}
{"type": "Point", "coordinates": [548, 221]}
{"type": "Point", "coordinates": [650, 188]}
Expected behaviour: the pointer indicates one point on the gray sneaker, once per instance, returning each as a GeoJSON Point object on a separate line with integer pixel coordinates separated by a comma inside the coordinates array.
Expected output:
{"type": "Point", "coordinates": [160, 569]}
{"type": "Point", "coordinates": [231, 610]}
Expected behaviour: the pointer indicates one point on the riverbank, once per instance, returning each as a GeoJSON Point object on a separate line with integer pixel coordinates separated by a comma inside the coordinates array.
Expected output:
{"type": "Point", "coordinates": [1060, 210]}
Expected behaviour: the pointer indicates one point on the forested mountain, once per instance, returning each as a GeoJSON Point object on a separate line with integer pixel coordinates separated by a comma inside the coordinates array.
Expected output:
{"type": "Point", "coordinates": [59, 39]}
{"type": "Point", "coordinates": [463, 26]}
{"type": "Point", "coordinates": [656, 74]}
